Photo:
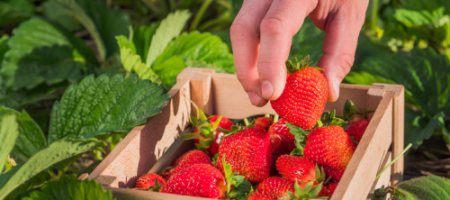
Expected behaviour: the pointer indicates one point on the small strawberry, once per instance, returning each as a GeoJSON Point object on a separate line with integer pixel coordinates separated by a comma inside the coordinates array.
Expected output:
{"type": "Point", "coordinates": [333, 173]}
{"type": "Point", "coordinates": [331, 186]}
{"type": "Point", "coordinates": [357, 123]}
{"type": "Point", "coordinates": [261, 195]}
{"type": "Point", "coordinates": [188, 159]}
{"type": "Point", "coordinates": [296, 168]}
{"type": "Point", "coordinates": [304, 96]}
{"type": "Point", "coordinates": [207, 134]}
{"type": "Point", "coordinates": [280, 128]}
{"type": "Point", "coordinates": [248, 152]}
{"type": "Point", "coordinates": [279, 147]}
{"type": "Point", "coordinates": [277, 187]}
{"type": "Point", "coordinates": [146, 181]}
{"type": "Point", "coordinates": [329, 145]}
{"type": "Point", "coordinates": [263, 123]}
{"type": "Point", "coordinates": [201, 180]}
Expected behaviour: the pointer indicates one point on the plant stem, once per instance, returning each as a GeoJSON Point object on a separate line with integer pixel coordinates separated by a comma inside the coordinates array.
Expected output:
{"type": "Point", "coordinates": [275, 118]}
{"type": "Point", "coordinates": [199, 15]}
{"type": "Point", "coordinates": [374, 15]}
{"type": "Point", "coordinates": [246, 121]}
{"type": "Point", "coordinates": [393, 161]}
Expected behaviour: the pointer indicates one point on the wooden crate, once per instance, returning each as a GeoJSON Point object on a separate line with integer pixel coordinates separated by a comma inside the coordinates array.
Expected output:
{"type": "Point", "coordinates": [156, 144]}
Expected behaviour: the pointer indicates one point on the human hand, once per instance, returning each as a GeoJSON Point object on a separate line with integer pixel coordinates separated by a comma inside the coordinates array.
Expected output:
{"type": "Point", "coordinates": [261, 37]}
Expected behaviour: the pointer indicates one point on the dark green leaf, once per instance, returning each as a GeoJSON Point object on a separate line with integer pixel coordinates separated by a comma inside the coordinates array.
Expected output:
{"type": "Point", "coordinates": [103, 105]}
{"type": "Point", "coordinates": [26, 188]}
{"type": "Point", "coordinates": [54, 153]}
{"type": "Point", "coordinates": [142, 37]}
{"type": "Point", "coordinates": [39, 53]}
{"type": "Point", "coordinates": [425, 187]}
{"type": "Point", "coordinates": [15, 11]}
{"type": "Point", "coordinates": [68, 187]}
{"type": "Point", "coordinates": [55, 12]}
{"type": "Point", "coordinates": [364, 78]}
{"type": "Point", "coordinates": [3, 47]}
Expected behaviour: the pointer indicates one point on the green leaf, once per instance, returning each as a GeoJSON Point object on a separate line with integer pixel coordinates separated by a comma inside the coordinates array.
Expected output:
{"type": "Point", "coordinates": [3, 47]}
{"type": "Point", "coordinates": [56, 152]}
{"type": "Point", "coordinates": [169, 28]}
{"type": "Point", "coordinates": [15, 11]}
{"type": "Point", "coordinates": [55, 12]}
{"type": "Point", "coordinates": [68, 187]}
{"type": "Point", "coordinates": [169, 70]}
{"type": "Point", "coordinates": [102, 105]}
{"type": "Point", "coordinates": [308, 41]}
{"type": "Point", "coordinates": [413, 18]}
{"type": "Point", "coordinates": [199, 47]}
{"type": "Point", "coordinates": [425, 187]}
{"type": "Point", "coordinates": [142, 38]}
{"type": "Point", "coordinates": [39, 53]}
{"type": "Point", "coordinates": [132, 62]}
{"type": "Point", "coordinates": [9, 131]}
{"type": "Point", "coordinates": [31, 138]}
{"type": "Point", "coordinates": [26, 188]}
{"type": "Point", "coordinates": [364, 78]}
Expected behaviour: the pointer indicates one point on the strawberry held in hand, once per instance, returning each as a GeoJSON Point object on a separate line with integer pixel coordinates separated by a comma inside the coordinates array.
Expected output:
{"type": "Point", "coordinates": [201, 180]}
{"type": "Point", "coordinates": [248, 152]}
{"type": "Point", "coordinates": [304, 96]}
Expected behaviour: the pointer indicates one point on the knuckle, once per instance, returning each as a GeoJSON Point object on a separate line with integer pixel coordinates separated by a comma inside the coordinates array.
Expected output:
{"type": "Point", "coordinates": [239, 30]}
{"type": "Point", "coordinates": [272, 25]}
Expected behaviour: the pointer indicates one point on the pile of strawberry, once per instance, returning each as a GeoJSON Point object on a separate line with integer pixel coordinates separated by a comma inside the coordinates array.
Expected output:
{"type": "Point", "coordinates": [303, 155]}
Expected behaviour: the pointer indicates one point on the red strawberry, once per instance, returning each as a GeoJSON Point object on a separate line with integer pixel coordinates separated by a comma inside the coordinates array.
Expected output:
{"type": "Point", "coordinates": [330, 146]}
{"type": "Point", "coordinates": [207, 134]}
{"type": "Point", "coordinates": [249, 154]}
{"type": "Point", "coordinates": [148, 180]}
{"type": "Point", "coordinates": [280, 128]}
{"type": "Point", "coordinates": [304, 96]}
{"type": "Point", "coordinates": [261, 195]}
{"type": "Point", "coordinates": [188, 159]}
{"type": "Point", "coordinates": [263, 123]}
{"type": "Point", "coordinates": [296, 168]}
{"type": "Point", "coordinates": [334, 174]}
{"type": "Point", "coordinates": [331, 186]}
{"type": "Point", "coordinates": [324, 192]}
{"type": "Point", "coordinates": [201, 180]}
{"type": "Point", "coordinates": [277, 187]}
{"type": "Point", "coordinates": [279, 147]}
{"type": "Point", "coordinates": [357, 123]}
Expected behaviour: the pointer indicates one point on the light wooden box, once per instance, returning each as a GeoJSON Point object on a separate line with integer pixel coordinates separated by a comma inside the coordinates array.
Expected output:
{"type": "Point", "coordinates": [156, 145]}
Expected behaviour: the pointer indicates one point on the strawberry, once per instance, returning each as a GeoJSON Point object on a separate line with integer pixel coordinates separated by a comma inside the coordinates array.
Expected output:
{"type": "Point", "coordinates": [330, 145]}
{"type": "Point", "coordinates": [304, 96]}
{"type": "Point", "coordinates": [263, 123]}
{"type": "Point", "coordinates": [248, 152]}
{"type": "Point", "coordinates": [188, 159]}
{"type": "Point", "coordinates": [201, 180]}
{"type": "Point", "coordinates": [280, 128]}
{"type": "Point", "coordinates": [146, 181]}
{"type": "Point", "coordinates": [207, 134]}
{"type": "Point", "coordinates": [296, 168]}
{"type": "Point", "coordinates": [261, 195]}
{"type": "Point", "coordinates": [331, 186]}
{"type": "Point", "coordinates": [333, 173]}
{"type": "Point", "coordinates": [276, 186]}
{"type": "Point", "coordinates": [357, 123]}
{"type": "Point", "coordinates": [279, 147]}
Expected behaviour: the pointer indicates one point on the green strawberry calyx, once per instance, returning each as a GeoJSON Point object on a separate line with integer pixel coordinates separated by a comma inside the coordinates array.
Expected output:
{"type": "Point", "coordinates": [206, 131]}
{"type": "Point", "coordinates": [156, 187]}
{"type": "Point", "coordinates": [309, 192]}
{"type": "Point", "coordinates": [242, 187]}
{"type": "Point", "coordinates": [300, 138]}
{"type": "Point", "coordinates": [320, 175]}
{"type": "Point", "coordinates": [330, 119]}
{"type": "Point", "coordinates": [236, 129]}
{"type": "Point", "coordinates": [351, 111]}
{"type": "Point", "coordinates": [298, 65]}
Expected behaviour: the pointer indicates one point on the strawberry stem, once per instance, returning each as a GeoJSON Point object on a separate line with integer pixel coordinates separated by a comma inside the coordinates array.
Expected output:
{"type": "Point", "coordinates": [393, 161]}
{"type": "Point", "coordinates": [246, 121]}
{"type": "Point", "coordinates": [297, 65]}
{"type": "Point", "coordinates": [276, 118]}
{"type": "Point", "coordinates": [267, 115]}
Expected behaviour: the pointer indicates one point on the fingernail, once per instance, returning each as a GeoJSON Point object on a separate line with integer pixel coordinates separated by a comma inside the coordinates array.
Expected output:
{"type": "Point", "coordinates": [336, 84]}
{"type": "Point", "coordinates": [267, 89]}
{"type": "Point", "coordinates": [254, 98]}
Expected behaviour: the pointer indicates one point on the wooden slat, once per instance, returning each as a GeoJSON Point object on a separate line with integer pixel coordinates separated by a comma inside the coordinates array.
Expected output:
{"type": "Point", "coordinates": [361, 171]}
{"type": "Point", "coordinates": [129, 194]}
{"type": "Point", "coordinates": [356, 93]}
{"type": "Point", "coordinates": [140, 149]}
{"type": "Point", "coordinates": [385, 178]}
{"type": "Point", "coordinates": [201, 91]}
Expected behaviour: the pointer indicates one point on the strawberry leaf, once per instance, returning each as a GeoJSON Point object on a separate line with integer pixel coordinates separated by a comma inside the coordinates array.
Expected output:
{"type": "Point", "coordinates": [426, 187]}
{"type": "Point", "coordinates": [315, 191]}
{"type": "Point", "coordinates": [216, 123]}
{"type": "Point", "coordinates": [329, 119]}
{"type": "Point", "coordinates": [9, 131]}
{"type": "Point", "coordinates": [300, 138]}
{"type": "Point", "coordinates": [190, 136]}
{"type": "Point", "coordinates": [193, 121]}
